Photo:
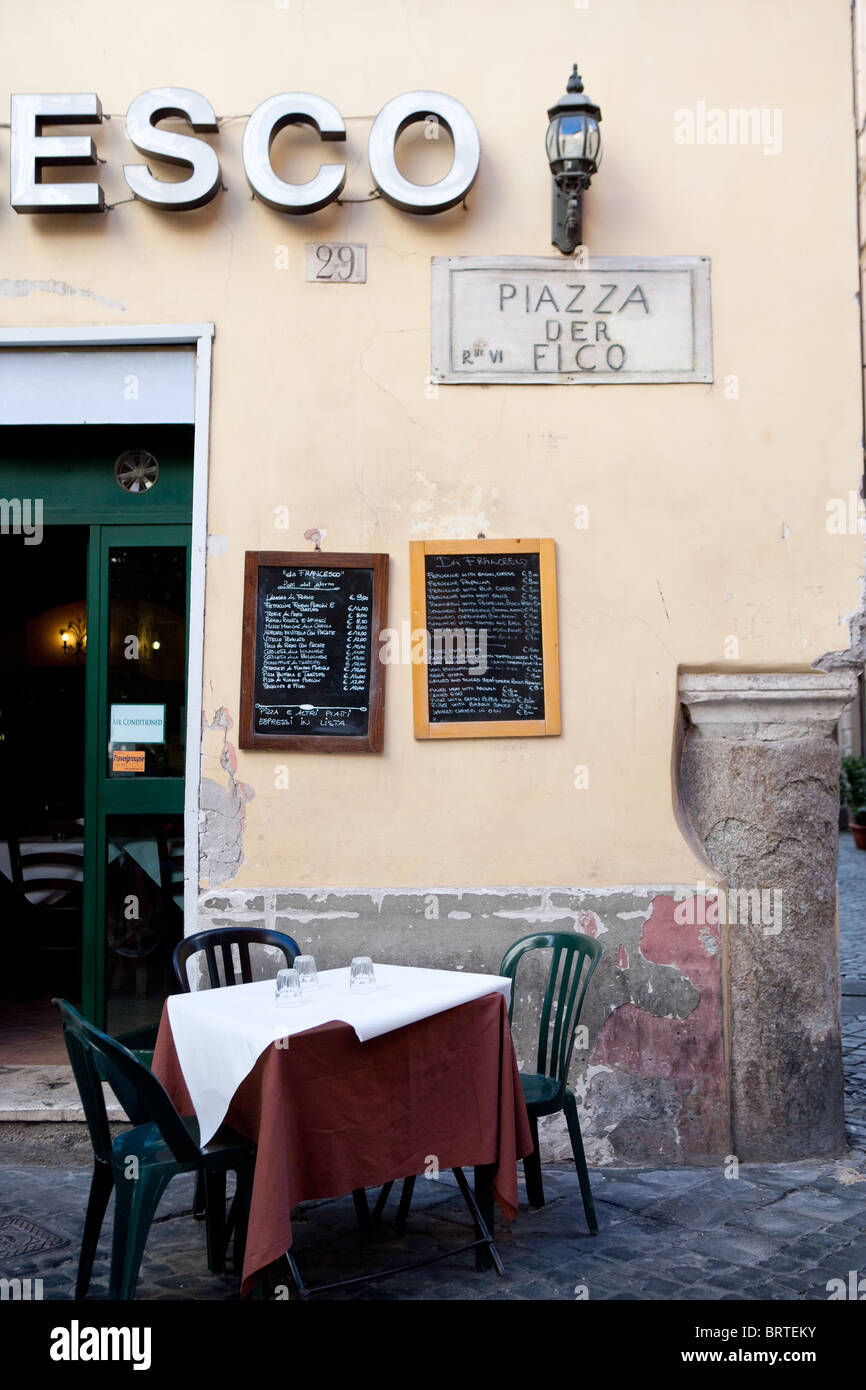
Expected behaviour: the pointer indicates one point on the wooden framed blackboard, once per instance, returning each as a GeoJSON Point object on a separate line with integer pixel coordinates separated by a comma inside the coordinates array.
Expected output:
{"type": "Point", "coordinates": [492, 650]}
{"type": "Point", "coordinates": [311, 678]}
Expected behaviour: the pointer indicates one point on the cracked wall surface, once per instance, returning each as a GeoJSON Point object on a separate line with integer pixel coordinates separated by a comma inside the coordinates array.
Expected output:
{"type": "Point", "coordinates": [222, 811]}
{"type": "Point", "coordinates": [651, 1075]}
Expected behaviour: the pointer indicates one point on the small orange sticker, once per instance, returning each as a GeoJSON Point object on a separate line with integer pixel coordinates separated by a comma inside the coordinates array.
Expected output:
{"type": "Point", "coordinates": [123, 760]}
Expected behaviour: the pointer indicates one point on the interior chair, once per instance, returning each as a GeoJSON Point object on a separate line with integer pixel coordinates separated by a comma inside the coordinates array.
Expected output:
{"type": "Point", "coordinates": [48, 883]}
{"type": "Point", "coordinates": [224, 939]}
{"type": "Point", "coordinates": [139, 1164]}
{"type": "Point", "coordinates": [545, 1090]}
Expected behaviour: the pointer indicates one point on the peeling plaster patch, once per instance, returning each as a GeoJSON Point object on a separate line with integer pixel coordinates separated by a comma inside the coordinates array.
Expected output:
{"type": "Point", "coordinates": [674, 1059]}
{"type": "Point", "coordinates": [223, 805]}
{"type": "Point", "coordinates": [17, 289]}
{"type": "Point", "coordinates": [217, 545]}
{"type": "Point", "coordinates": [630, 916]}
{"type": "Point", "coordinates": [457, 515]}
{"type": "Point", "coordinates": [589, 923]}
{"type": "Point", "coordinates": [622, 957]}
{"type": "Point", "coordinates": [306, 917]}
{"type": "Point", "coordinates": [583, 921]}
{"type": "Point", "coordinates": [709, 942]}
{"type": "Point", "coordinates": [460, 916]}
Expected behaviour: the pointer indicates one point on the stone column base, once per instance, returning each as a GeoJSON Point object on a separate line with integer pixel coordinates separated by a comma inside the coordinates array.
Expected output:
{"type": "Point", "coordinates": [759, 788]}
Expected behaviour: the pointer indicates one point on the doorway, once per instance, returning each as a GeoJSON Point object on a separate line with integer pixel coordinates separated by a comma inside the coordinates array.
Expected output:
{"type": "Point", "coordinates": [93, 719]}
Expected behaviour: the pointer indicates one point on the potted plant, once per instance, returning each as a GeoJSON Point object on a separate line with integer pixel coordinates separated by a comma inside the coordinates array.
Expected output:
{"type": "Point", "coordinates": [853, 785]}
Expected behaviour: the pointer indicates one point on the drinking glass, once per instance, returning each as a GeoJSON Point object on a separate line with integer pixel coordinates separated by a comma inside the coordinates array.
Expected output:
{"type": "Point", "coordinates": [306, 970]}
{"type": "Point", "coordinates": [361, 974]}
{"type": "Point", "coordinates": [288, 988]}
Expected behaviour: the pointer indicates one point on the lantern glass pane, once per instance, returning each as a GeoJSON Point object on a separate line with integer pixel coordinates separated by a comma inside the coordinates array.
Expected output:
{"type": "Point", "coordinates": [593, 142]}
{"type": "Point", "coordinates": [572, 137]}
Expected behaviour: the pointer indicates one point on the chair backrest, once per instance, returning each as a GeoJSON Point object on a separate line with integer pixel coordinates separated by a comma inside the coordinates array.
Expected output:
{"type": "Point", "coordinates": [95, 1057]}
{"type": "Point", "coordinates": [223, 939]}
{"type": "Point", "coordinates": [171, 848]}
{"type": "Point", "coordinates": [40, 871]}
{"type": "Point", "coordinates": [575, 957]}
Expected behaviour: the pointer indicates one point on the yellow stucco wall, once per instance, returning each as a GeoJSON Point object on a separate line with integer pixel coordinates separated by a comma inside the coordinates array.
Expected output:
{"type": "Point", "coordinates": [707, 508]}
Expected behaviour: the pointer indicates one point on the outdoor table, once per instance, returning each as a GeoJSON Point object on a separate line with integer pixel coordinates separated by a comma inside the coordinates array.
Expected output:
{"type": "Point", "coordinates": [330, 1114]}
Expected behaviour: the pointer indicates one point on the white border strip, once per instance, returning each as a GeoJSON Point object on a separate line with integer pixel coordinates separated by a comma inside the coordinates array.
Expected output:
{"type": "Point", "coordinates": [106, 336]}
{"type": "Point", "coordinates": [200, 336]}
{"type": "Point", "coordinates": [195, 657]}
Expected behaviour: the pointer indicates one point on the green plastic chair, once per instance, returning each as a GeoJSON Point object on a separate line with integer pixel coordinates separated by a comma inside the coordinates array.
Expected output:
{"type": "Point", "coordinates": [139, 1164]}
{"type": "Point", "coordinates": [545, 1091]}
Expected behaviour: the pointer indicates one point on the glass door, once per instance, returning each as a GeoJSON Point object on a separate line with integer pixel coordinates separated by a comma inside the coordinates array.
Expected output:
{"type": "Point", "coordinates": [137, 638]}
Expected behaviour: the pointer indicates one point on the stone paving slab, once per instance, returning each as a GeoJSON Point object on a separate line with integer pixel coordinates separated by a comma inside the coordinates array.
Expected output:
{"type": "Point", "coordinates": [770, 1233]}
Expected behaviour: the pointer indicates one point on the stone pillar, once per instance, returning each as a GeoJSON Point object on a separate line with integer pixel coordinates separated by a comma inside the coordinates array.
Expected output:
{"type": "Point", "coordinates": [759, 788]}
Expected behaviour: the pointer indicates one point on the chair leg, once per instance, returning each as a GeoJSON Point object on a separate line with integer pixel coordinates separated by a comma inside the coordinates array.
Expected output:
{"type": "Point", "coordinates": [241, 1213]}
{"type": "Point", "coordinates": [580, 1162]}
{"type": "Point", "coordinates": [381, 1201]}
{"type": "Point", "coordinates": [532, 1169]}
{"type": "Point", "coordinates": [135, 1204]}
{"type": "Point", "coordinates": [198, 1202]}
{"type": "Point", "coordinates": [215, 1206]}
{"type": "Point", "coordinates": [405, 1201]}
{"type": "Point", "coordinates": [362, 1211]}
{"type": "Point", "coordinates": [101, 1186]}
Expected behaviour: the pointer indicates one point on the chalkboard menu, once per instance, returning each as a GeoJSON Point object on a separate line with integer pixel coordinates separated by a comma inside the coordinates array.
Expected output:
{"type": "Point", "coordinates": [310, 671]}
{"type": "Point", "coordinates": [489, 612]}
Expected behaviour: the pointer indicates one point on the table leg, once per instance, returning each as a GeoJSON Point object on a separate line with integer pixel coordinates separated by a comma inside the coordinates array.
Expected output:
{"type": "Point", "coordinates": [484, 1199]}
{"type": "Point", "coordinates": [405, 1201]}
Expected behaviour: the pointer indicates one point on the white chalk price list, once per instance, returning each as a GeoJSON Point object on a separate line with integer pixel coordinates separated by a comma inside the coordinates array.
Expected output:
{"type": "Point", "coordinates": [500, 596]}
{"type": "Point", "coordinates": [356, 663]}
{"type": "Point", "coordinates": [297, 629]}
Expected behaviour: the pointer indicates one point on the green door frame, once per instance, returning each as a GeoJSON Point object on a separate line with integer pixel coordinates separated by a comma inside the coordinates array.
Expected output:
{"type": "Point", "coordinates": [64, 504]}
{"type": "Point", "coordinates": [104, 796]}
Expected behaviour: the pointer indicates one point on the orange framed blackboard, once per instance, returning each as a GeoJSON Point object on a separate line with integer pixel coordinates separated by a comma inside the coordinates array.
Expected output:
{"type": "Point", "coordinates": [491, 667]}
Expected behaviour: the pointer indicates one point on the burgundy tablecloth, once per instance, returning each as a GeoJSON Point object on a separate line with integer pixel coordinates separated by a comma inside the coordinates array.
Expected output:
{"type": "Point", "coordinates": [330, 1114]}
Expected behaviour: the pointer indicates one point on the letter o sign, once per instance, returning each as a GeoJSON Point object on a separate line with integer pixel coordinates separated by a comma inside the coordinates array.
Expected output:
{"type": "Point", "coordinates": [403, 111]}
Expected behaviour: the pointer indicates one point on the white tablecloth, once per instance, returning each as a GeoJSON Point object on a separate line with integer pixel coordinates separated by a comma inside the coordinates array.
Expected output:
{"type": "Point", "coordinates": [219, 1034]}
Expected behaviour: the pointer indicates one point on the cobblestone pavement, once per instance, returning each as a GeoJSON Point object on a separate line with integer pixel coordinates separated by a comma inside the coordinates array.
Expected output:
{"type": "Point", "coordinates": [852, 910]}
{"type": "Point", "coordinates": [773, 1231]}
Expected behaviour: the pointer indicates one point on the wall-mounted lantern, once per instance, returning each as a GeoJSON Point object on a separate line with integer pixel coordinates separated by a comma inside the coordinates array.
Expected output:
{"type": "Point", "coordinates": [574, 152]}
{"type": "Point", "coordinates": [73, 637]}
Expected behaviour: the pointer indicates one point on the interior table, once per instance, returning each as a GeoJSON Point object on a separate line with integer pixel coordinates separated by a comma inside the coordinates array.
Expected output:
{"type": "Point", "coordinates": [330, 1115]}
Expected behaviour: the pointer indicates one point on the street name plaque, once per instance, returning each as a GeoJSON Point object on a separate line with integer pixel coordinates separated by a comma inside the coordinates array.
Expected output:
{"type": "Point", "coordinates": [593, 321]}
